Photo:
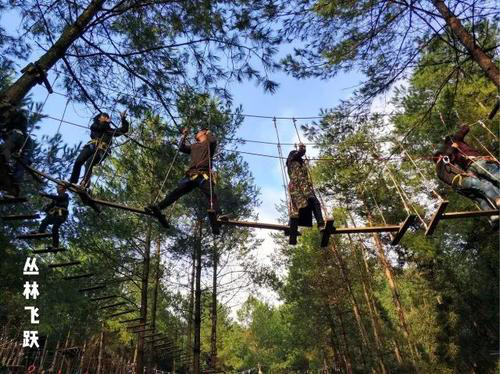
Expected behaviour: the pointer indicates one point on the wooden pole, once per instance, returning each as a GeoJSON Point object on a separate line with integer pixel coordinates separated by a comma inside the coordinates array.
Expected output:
{"type": "Point", "coordinates": [101, 349]}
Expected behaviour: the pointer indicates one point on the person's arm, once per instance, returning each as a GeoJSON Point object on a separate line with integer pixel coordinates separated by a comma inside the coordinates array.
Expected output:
{"type": "Point", "coordinates": [212, 141]}
{"type": "Point", "coordinates": [123, 128]}
{"type": "Point", "coordinates": [460, 134]}
{"type": "Point", "coordinates": [183, 147]}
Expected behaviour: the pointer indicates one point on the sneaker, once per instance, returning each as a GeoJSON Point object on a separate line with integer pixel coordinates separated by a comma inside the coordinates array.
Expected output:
{"type": "Point", "coordinates": [223, 217]}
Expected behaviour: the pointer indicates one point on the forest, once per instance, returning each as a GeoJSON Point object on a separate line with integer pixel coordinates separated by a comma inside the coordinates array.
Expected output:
{"type": "Point", "coordinates": [398, 271]}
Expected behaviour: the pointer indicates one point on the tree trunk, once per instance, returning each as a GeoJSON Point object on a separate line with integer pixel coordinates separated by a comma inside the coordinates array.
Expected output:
{"type": "Point", "coordinates": [155, 296]}
{"type": "Point", "coordinates": [101, 348]}
{"type": "Point", "coordinates": [395, 293]}
{"type": "Point", "coordinates": [20, 88]}
{"type": "Point", "coordinates": [144, 300]}
{"type": "Point", "coordinates": [355, 306]}
{"type": "Point", "coordinates": [190, 308]}
{"type": "Point", "coordinates": [484, 61]}
{"type": "Point", "coordinates": [197, 303]}
{"type": "Point", "coordinates": [213, 338]}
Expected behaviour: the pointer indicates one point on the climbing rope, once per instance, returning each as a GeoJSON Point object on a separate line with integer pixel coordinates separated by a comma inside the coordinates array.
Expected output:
{"type": "Point", "coordinates": [282, 166]}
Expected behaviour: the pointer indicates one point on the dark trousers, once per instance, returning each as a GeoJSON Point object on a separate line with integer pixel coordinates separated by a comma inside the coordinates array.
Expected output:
{"type": "Point", "coordinates": [56, 222]}
{"type": "Point", "coordinates": [185, 186]}
{"type": "Point", "coordinates": [12, 145]}
{"type": "Point", "coordinates": [316, 209]}
{"type": "Point", "coordinates": [90, 156]}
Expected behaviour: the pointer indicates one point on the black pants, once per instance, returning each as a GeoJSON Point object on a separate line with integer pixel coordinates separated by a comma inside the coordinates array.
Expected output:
{"type": "Point", "coordinates": [56, 222]}
{"type": "Point", "coordinates": [185, 186]}
{"type": "Point", "coordinates": [316, 209]}
{"type": "Point", "coordinates": [90, 157]}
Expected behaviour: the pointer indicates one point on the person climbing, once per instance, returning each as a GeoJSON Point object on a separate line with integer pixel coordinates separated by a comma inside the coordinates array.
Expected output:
{"type": "Point", "coordinates": [469, 159]}
{"type": "Point", "coordinates": [466, 183]}
{"type": "Point", "coordinates": [95, 151]}
{"type": "Point", "coordinates": [15, 150]}
{"type": "Point", "coordinates": [301, 190]}
{"type": "Point", "coordinates": [198, 173]}
{"type": "Point", "coordinates": [57, 213]}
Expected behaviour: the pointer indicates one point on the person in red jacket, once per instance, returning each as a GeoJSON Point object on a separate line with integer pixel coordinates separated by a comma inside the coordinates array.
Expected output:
{"type": "Point", "coordinates": [470, 159]}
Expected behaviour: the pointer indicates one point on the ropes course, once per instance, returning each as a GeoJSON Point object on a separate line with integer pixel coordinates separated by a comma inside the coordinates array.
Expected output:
{"type": "Point", "coordinates": [303, 217]}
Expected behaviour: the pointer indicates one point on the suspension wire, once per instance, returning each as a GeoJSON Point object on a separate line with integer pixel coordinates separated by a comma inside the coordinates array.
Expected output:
{"type": "Point", "coordinates": [418, 169]}
{"type": "Point", "coordinates": [283, 173]}
{"type": "Point", "coordinates": [485, 148]}
{"type": "Point", "coordinates": [487, 129]}
{"type": "Point", "coordinates": [402, 192]}
{"type": "Point", "coordinates": [376, 203]}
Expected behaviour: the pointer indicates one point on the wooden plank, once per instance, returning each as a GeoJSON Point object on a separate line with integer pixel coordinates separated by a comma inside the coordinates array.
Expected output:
{"type": "Point", "coordinates": [139, 325]}
{"type": "Point", "coordinates": [79, 276]}
{"type": "Point", "coordinates": [150, 336]}
{"type": "Point", "coordinates": [436, 217]}
{"type": "Point", "coordinates": [255, 225]}
{"type": "Point", "coordinates": [18, 217]}
{"type": "Point", "coordinates": [327, 231]}
{"type": "Point", "coordinates": [294, 230]}
{"type": "Point", "coordinates": [403, 228]}
{"type": "Point", "coordinates": [112, 305]}
{"type": "Point", "coordinates": [33, 236]}
{"type": "Point", "coordinates": [48, 250]}
{"type": "Point", "coordinates": [64, 264]}
{"type": "Point", "coordinates": [121, 313]}
{"type": "Point", "coordinates": [12, 200]}
{"type": "Point", "coordinates": [144, 330]}
{"type": "Point", "coordinates": [131, 320]}
{"type": "Point", "coordinates": [107, 297]}
{"type": "Point", "coordinates": [366, 229]}
{"type": "Point", "coordinates": [93, 288]}
{"type": "Point", "coordinates": [158, 340]}
{"type": "Point", "coordinates": [214, 223]}
{"type": "Point", "coordinates": [472, 214]}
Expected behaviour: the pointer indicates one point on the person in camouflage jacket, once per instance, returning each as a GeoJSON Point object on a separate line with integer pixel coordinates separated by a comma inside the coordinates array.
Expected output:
{"type": "Point", "coordinates": [300, 187]}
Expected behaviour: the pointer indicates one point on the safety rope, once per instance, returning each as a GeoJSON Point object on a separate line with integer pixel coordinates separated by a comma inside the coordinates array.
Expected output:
{"type": "Point", "coordinates": [283, 173]}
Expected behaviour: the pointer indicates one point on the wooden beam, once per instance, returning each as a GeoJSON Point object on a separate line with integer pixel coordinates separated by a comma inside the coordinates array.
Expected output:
{"type": "Point", "coordinates": [93, 288]}
{"type": "Point", "coordinates": [366, 229]}
{"type": "Point", "coordinates": [37, 235]}
{"type": "Point", "coordinates": [472, 214]}
{"type": "Point", "coordinates": [255, 225]}
{"type": "Point", "coordinates": [121, 313]}
{"type": "Point", "coordinates": [144, 330]}
{"type": "Point", "coordinates": [112, 305]}
{"type": "Point", "coordinates": [403, 228]}
{"type": "Point", "coordinates": [12, 200]}
{"type": "Point", "coordinates": [149, 336]}
{"type": "Point", "coordinates": [64, 264]}
{"type": "Point", "coordinates": [436, 217]}
{"type": "Point", "coordinates": [16, 217]}
{"type": "Point", "coordinates": [139, 325]}
{"type": "Point", "coordinates": [48, 250]}
{"type": "Point", "coordinates": [106, 297]}
{"type": "Point", "coordinates": [131, 320]}
{"type": "Point", "coordinates": [79, 276]}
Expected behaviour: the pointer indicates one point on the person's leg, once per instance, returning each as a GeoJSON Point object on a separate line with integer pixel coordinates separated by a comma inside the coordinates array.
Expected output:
{"type": "Point", "coordinates": [96, 159]}
{"type": "Point", "coordinates": [185, 186]}
{"type": "Point", "coordinates": [213, 202]}
{"type": "Point", "coordinates": [486, 170]}
{"type": "Point", "coordinates": [55, 232]}
{"type": "Point", "coordinates": [84, 155]}
{"type": "Point", "coordinates": [43, 225]}
{"type": "Point", "coordinates": [485, 193]}
{"type": "Point", "coordinates": [316, 209]}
